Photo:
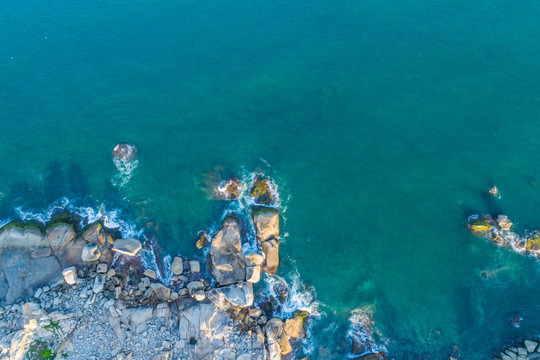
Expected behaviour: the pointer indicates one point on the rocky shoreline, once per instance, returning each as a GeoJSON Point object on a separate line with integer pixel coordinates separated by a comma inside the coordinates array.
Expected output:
{"type": "Point", "coordinates": [85, 294]}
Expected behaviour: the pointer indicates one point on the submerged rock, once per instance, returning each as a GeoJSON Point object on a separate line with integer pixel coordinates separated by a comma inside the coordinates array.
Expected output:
{"type": "Point", "coordinates": [230, 189]}
{"type": "Point", "coordinates": [227, 264]}
{"type": "Point", "coordinates": [124, 152]}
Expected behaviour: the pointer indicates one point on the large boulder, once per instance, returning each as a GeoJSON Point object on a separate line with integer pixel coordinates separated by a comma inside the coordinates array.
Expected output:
{"type": "Point", "coordinates": [240, 295]}
{"type": "Point", "coordinates": [90, 253]}
{"type": "Point", "coordinates": [261, 191]}
{"type": "Point", "coordinates": [270, 249]}
{"type": "Point", "coordinates": [275, 333]}
{"type": "Point", "coordinates": [504, 223]}
{"type": "Point", "coordinates": [21, 274]}
{"type": "Point", "coordinates": [479, 225]}
{"type": "Point", "coordinates": [294, 328]}
{"type": "Point", "coordinates": [129, 247]}
{"type": "Point", "coordinates": [266, 222]}
{"type": "Point", "coordinates": [227, 263]}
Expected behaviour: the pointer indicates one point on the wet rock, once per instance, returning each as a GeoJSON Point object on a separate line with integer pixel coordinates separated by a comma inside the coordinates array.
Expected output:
{"type": "Point", "coordinates": [494, 191]}
{"type": "Point", "coordinates": [177, 266]}
{"type": "Point", "coordinates": [161, 291]}
{"type": "Point", "coordinates": [129, 247]}
{"type": "Point", "coordinates": [202, 241]}
{"type": "Point", "coordinates": [253, 274]}
{"type": "Point", "coordinates": [229, 190]}
{"type": "Point", "coordinates": [260, 191]}
{"type": "Point", "coordinates": [194, 266]}
{"type": "Point", "coordinates": [150, 273]}
{"type": "Point", "coordinates": [124, 152]}
{"type": "Point", "coordinates": [270, 249]}
{"type": "Point", "coordinates": [266, 222]}
{"type": "Point", "coordinates": [504, 223]}
{"type": "Point", "coordinates": [227, 264]}
{"type": "Point", "coordinates": [90, 253]}
{"type": "Point", "coordinates": [70, 275]}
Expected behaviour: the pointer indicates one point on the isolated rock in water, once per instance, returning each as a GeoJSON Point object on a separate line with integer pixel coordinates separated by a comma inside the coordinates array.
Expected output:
{"type": "Point", "coordinates": [229, 190]}
{"type": "Point", "coordinates": [90, 253]}
{"type": "Point", "coordinates": [270, 249]}
{"type": "Point", "coordinates": [479, 225]}
{"type": "Point", "coordinates": [266, 222]}
{"type": "Point", "coordinates": [177, 266]}
{"type": "Point", "coordinates": [240, 295]}
{"type": "Point", "coordinates": [494, 191]}
{"type": "Point", "coordinates": [227, 264]}
{"type": "Point", "coordinates": [70, 275]}
{"type": "Point", "coordinates": [128, 247]}
{"type": "Point", "coordinates": [504, 222]}
{"type": "Point", "coordinates": [260, 191]}
{"type": "Point", "coordinates": [124, 152]}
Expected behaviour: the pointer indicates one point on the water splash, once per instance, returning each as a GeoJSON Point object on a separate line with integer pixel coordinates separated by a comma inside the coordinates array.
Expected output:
{"type": "Point", "coordinates": [126, 170]}
{"type": "Point", "coordinates": [360, 332]}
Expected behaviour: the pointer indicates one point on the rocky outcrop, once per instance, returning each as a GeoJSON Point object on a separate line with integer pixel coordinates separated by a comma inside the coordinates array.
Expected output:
{"type": "Point", "coordinates": [239, 295]}
{"type": "Point", "coordinates": [529, 350]}
{"type": "Point", "coordinates": [227, 264]}
{"type": "Point", "coordinates": [261, 191]}
{"type": "Point", "coordinates": [124, 152]}
{"type": "Point", "coordinates": [129, 247]}
{"type": "Point", "coordinates": [229, 190]}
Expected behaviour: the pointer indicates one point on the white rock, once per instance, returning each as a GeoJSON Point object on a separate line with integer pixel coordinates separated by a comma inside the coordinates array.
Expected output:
{"type": "Point", "coordinates": [253, 274]}
{"type": "Point", "coordinates": [70, 275]}
{"type": "Point", "coordinates": [162, 310]}
{"type": "Point", "coordinates": [199, 295]}
{"type": "Point", "coordinates": [38, 293]}
{"type": "Point", "coordinates": [128, 247]}
{"type": "Point", "coordinates": [254, 259]}
{"type": "Point", "coordinates": [111, 272]}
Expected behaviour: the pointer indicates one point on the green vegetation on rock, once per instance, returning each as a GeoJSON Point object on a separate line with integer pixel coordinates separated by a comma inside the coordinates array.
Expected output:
{"type": "Point", "coordinates": [480, 225]}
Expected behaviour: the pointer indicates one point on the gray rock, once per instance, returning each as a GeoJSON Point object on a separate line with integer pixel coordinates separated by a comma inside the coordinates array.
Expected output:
{"type": "Point", "coordinates": [139, 316]}
{"type": "Point", "coordinates": [99, 283]}
{"type": "Point", "coordinates": [130, 247]}
{"type": "Point", "coordinates": [199, 295]}
{"type": "Point", "coordinates": [150, 273]}
{"type": "Point", "coordinates": [177, 266]}
{"type": "Point", "coordinates": [530, 345]}
{"type": "Point", "coordinates": [194, 286]}
{"type": "Point", "coordinates": [90, 253]}
{"type": "Point", "coordinates": [101, 268]}
{"type": "Point", "coordinates": [162, 292]}
{"type": "Point", "coordinates": [253, 259]}
{"type": "Point", "coordinates": [194, 266]}
{"type": "Point", "coordinates": [227, 263]}
{"type": "Point", "coordinates": [162, 310]}
{"type": "Point", "coordinates": [240, 295]}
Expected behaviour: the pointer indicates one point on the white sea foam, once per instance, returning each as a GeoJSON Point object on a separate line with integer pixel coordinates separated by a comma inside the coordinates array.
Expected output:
{"type": "Point", "coordinates": [126, 170]}
{"type": "Point", "coordinates": [360, 330]}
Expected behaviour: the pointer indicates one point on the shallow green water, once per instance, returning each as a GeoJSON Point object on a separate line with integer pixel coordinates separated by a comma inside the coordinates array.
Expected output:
{"type": "Point", "coordinates": [383, 123]}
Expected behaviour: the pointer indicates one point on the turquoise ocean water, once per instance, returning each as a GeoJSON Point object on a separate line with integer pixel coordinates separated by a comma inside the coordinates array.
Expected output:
{"type": "Point", "coordinates": [382, 122]}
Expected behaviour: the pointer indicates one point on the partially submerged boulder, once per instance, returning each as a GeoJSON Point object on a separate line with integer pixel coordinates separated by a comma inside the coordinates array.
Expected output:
{"type": "Point", "coordinates": [124, 152]}
{"type": "Point", "coordinates": [230, 189]}
{"type": "Point", "coordinates": [266, 222]}
{"type": "Point", "coordinates": [227, 263]}
{"type": "Point", "coordinates": [261, 191]}
{"type": "Point", "coordinates": [202, 241]}
{"type": "Point", "coordinates": [129, 247]}
{"type": "Point", "coordinates": [275, 334]}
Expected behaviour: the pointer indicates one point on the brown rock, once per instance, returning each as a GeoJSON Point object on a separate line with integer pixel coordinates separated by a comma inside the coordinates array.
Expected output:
{"type": "Point", "coordinates": [202, 241]}
{"type": "Point", "coordinates": [295, 328]}
{"type": "Point", "coordinates": [266, 222]}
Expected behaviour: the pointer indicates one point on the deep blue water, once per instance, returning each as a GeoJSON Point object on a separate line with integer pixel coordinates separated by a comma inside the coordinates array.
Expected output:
{"type": "Point", "coordinates": [382, 122]}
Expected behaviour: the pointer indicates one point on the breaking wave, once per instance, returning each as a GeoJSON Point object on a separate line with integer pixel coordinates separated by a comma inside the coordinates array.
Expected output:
{"type": "Point", "coordinates": [126, 170]}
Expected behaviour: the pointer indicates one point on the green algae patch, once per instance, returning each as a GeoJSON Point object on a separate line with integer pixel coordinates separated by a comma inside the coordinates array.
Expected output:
{"type": "Point", "coordinates": [24, 225]}
{"type": "Point", "coordinates": [480, 225]}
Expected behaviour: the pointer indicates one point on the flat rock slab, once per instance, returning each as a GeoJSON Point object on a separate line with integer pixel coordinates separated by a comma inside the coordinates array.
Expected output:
{"type": "Point", "coordinates": [129, 247]}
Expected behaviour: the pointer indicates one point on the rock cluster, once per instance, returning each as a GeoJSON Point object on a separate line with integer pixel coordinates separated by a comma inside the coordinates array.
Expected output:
{"type": "Point", "coordinates": [529, 350]}
{"type": "Point", "coordinates": [64, 299]}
